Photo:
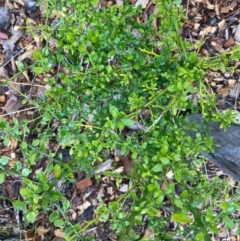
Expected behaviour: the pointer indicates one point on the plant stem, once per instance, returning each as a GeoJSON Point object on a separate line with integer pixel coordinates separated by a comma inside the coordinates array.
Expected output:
{"type": "Point", "coordinates": [129, 227]}
{"type": "Point", "coordinates": [198, 221]}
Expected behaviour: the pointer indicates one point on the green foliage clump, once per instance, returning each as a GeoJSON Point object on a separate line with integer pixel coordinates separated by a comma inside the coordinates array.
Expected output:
{"type": "Point", "coordinates": [115, 68]}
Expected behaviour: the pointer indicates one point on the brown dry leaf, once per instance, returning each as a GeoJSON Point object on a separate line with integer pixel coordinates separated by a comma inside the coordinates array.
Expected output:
{"type": "Point", "coordinates": [4, 35]}
{"type": "Point", "coordinates": [86, 182]}
{"type": "Point", "coordinates": [224, 91]}
{"type": "Point", "coordinates": [13, 143]}
{"type": "Point", "coordinates": [25, 74]}
{"type": "Point", "coordinates": [59, 233]}
{"type": "Point", "coordinates": [149, 234]}
{"type": "Point", "coordinates": [41, 231]}
{"type": "Point", "coordinates": [217, 46]}
{"type": "Point", "coordinates": [11, 188]}
{"type": "Point", "coordinates": [13, 105]}
{"type": "Point", "coordinates": [127, 163]}
{"type": "Point", "coordinates": [9, 44]}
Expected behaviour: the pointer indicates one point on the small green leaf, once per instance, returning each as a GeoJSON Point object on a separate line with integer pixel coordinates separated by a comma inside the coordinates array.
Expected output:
{"type": "Point", "coordinates": [114, 111]}
{"type": "Point", "coordinates": [177, 2]}
{"type": "Point", "coordinates": [214, 228]}
{"type": "Point", "coordinates": [53, 216]}
{"type": "Point", "coordinates": [127, 122]}
{"type": "Point", "coordinates": [2, 177]}
{"type": "Point", "coordinates": [37, 54]}
{"type": "Point", "coordinates": [4, 160]}
{"type": "Point", "coordinates": [165, 160]}
{"type": "Point", "coordinates": [164, 149]}
{"type": "Point", "coordinates": [157, 168]}
{"type": "Point", "coordinates": [25, 192]}
{"type": "Point", "coordinates": [224, 206]}
{"type": "Point", "coordinates": [45, 202]}
{"type": "Point", "coordinates": [17, 166]}
{"type": "Point", "coordinates": [184, 194]}
{"type": "Point", "coordinates": [31, 216]}
{"type": "Point", "coordinates": [57, 171]}
{"type": "Point", "coordinates": [35, 142]}
{"type": "Point", "coordinates": [178, 203]}
{"type": "Point", "coordinates": [174, 110]}
{"type": "Point", "coordinates": [59, 223]}
{"type": "Point", "coordinates": [20, 205]}
{"type": "Point", "coordinates": [20, 65]}
{"type": "Point", "coordinates": [129, 56]}
{"type": "Point", "coordinates": [228, 222]}
{"type": "Point", "coordinates": [66, 205]}
{"type": "Point", "coordinates": [45, 187]}
{"type": "Point", "coordinates": [144, 211]}
{"type": "Point", "coordinates": [24, 145]}
{"type": "Point", "coordinates": [120, 125]}
{"type": "Point", "coordinates": [25, 172]}
{"type": "Point", "coordinates": [150, 187]}
{"type": "Point", "coordinates": [181, 218]}
{"type": "Point", "coordinates": [178, 176]}
{"type": "Point", "coordinates": [200, 237]}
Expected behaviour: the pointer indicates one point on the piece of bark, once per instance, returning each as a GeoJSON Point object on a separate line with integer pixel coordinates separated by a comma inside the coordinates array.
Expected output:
{"type": "Point", "coordinates": [227, 152]}
{"type": "Point", "coordinates": [84, 183]}
{"type": "Point", "coordinates": [4, 35]}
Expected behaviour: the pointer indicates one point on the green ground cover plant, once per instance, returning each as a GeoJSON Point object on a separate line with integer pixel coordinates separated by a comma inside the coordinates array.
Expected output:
{"type": "Point", "coordinates": [116, 69]}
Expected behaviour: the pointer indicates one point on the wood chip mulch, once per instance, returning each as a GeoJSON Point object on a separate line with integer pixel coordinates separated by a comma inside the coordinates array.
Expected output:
{"type": "Point", "coordinates": [216, 23]}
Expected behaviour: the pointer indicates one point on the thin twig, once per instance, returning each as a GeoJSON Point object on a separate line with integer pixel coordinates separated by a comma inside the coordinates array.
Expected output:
{"type": "Point", "coordinates": [34, 85]}
{"type": "Point", "coordinates": [15, 112]}
{"type": "Point", "coordinates": [187, 8]}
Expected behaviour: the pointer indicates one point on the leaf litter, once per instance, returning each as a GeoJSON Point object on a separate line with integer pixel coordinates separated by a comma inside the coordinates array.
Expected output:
{"type": "Point", "coordinates": [214, 22]}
